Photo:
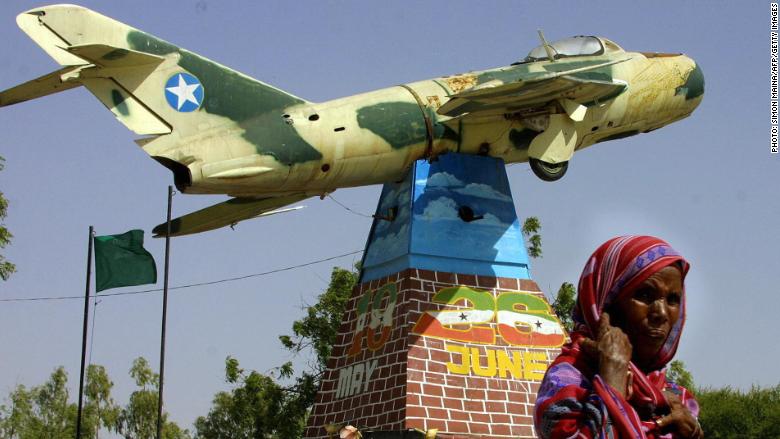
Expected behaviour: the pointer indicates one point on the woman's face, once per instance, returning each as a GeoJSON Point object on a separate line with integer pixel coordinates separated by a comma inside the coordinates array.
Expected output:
{"type": "Point", "coordinates": [647, 315]}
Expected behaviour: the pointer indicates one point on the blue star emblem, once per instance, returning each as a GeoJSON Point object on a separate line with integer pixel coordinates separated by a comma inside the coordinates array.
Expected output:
{"type": "Point", "coordinates": [184, 92]}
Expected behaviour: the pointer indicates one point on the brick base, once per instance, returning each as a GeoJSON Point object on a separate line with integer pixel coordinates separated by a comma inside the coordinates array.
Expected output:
{"type": "Point", "coordinates": [403, 359]}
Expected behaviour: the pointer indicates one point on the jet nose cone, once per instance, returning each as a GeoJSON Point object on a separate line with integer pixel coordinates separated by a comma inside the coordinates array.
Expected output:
{"type": "Point", "coordinates": [693, 87]}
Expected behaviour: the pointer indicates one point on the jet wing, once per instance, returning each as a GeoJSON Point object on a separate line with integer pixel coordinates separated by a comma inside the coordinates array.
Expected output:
{"type": "Point", "coordinates": [500, 97]}
{"type": "Point", "coordinates": [225, 214]}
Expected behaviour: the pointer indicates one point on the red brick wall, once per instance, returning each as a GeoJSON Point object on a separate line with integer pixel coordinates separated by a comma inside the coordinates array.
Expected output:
{"type": "Point", "coordinates": [421, 381]}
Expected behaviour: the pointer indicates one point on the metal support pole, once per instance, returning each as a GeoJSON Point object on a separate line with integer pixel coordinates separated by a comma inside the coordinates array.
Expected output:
{"type": "Point", "coordinates": [84, 334]}
{"type": "Point", "coordinates": [164, 314]}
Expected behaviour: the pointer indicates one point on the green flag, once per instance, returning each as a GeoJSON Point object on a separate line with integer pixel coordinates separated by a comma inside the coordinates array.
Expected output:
{"type": "Point", "coordinates": [122, 261]}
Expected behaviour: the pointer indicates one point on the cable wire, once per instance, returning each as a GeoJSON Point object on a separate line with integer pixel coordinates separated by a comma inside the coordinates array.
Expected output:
{"type": "Point", "coordinates": [348, 209]}
{"type": "Point", "coordinates": [92, 331]}
{"type": "Point", "coordinates": [199, 284]}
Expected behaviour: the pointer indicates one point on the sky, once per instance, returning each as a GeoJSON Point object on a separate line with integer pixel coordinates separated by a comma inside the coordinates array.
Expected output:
{"type": "Point", "coordinates": [707, 184]}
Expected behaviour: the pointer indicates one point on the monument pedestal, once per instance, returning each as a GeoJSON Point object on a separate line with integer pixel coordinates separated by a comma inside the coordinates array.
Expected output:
{"type": "Point", "coordinates": [426, 346]}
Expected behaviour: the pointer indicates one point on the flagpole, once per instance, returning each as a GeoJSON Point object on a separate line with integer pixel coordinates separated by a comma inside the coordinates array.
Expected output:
{"type": "Point", "coordinates": [84, 334]}
{"type": "Point", "coordinates": [164, 313]}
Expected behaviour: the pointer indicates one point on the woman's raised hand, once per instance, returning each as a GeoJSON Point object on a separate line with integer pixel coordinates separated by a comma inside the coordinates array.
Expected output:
{"type": "Point", "coordinates": [613, 351]}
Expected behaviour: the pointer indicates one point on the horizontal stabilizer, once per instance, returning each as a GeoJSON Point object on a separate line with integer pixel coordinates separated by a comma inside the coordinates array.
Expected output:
{"type": "Point", "coordinates": [108, 56]}
{"type": "Point", "coordinates": [43, 86]}
{"type": "Point", "coordinates": [224, 214]}
{"type": "Point", "coordinates": [533, 91]}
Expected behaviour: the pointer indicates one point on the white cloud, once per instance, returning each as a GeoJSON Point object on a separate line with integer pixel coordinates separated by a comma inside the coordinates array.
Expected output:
{"type": "Point", "coordinates": [388, 246]}
{"type": "Point", "coordinates": [398, 197]}
{"type": "Point", "coordinates": [389, 199]}
{"type": "Point", "coordinates": [491, 220]}
{"type": "Point", "coordinates": [441, 179]}
{"type": "Point", "coordinates": [442, 208]}
{"type": "Point", "coordinates": [480, 190]}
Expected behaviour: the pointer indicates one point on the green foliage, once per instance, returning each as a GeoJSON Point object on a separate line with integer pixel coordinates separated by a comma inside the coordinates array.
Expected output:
{"type": "Point", "coordinates": [14, 415]}
{"type": "Point", "coordinates": [6, 268]}
{"type": "Point", "coordinates": [138, 419]}
{"type": "Point", "coordinates": [44, 411]}
{"type": "Point", "coordinates": [531, 228]}
{"type": "Point", "coordinates": [566, 298]}
{"type": "Point", "coordinates": [15, 418]}
{"type": "Point", "coordinates": [252, 409]}
{"type": "Point", "coordinates": [677, 373]}
{"type": "Point", "coordinates": [564, 305]}
{"type": "Point", "coordinates": [318, 329]}
{"type": "Point", "coordinates": [41, 412]}
{"type": "Point", "coordinates": [99, 407]}
{"type": "Point", "coordinates": [259, 407]}
{"type": "Point", "coordinates": [734, 414]}
{"type": "Point", "coordinates": [729, 413]}
{"type": "Point", "coordinates": [232, 371]}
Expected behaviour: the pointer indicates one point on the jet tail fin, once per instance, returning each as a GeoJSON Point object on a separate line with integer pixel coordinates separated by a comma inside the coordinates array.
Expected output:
{"type": "Point", "coordinates": [152, 87]}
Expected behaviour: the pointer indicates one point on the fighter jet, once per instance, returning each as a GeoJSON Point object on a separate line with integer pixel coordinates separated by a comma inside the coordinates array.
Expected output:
{"type": "Point", "coordinates": [222, 132]}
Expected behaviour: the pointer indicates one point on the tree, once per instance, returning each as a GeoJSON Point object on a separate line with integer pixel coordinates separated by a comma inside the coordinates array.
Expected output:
{"type": "Point", "coordinates": [530, 229]}
{"type": "Point", "coordinates": [566, 297]}
{"type": "Point", "coordinates": [565, 300]}
{"type": "Point", "coordinates": [99, 408]}
{"type": "Point", "coordinates": [318, 329]}
{"type": "Point", "coordinates": [6, 268]}
{"type": "Point", "coordinates": [14, 418]}
{"type": "Point", "coordinates": [252, 409]}
{"type": "Point", "coordinates": [564, 304]}
{"type": "Point", "coordinates": [41, 412]}
{"type": "Point", "coordinates": [677, 373]}
{"type": "Point", "coordinates": [730, 413]}
{"type": "Point", "coordinates": [260, 407]}
{"type": "Point", "coordinates": [138, 419]}
{"type": "Point", "coordinates": [52, 402]}
{"type": "Point", "coordinates": [44, 411]}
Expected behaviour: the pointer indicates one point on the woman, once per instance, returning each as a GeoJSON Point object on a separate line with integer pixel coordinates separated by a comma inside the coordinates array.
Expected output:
{"type": "Point", "coordinates": [609, 381]}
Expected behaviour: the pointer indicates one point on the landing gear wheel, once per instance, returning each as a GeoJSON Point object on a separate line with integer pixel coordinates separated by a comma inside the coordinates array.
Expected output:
{"type": "Point", "coordinates": [548, 171]}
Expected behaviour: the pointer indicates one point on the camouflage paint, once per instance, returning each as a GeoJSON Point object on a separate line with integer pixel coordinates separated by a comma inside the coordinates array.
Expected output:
{"type": "Point", "coordinates": [601, 74]}
{"type": "Point", "coordinates": [242, 100]}
{"type": "Point", "coordinates": [524, 71]}
{"type": "Point", "coordinates": [562, 66]}
{"type": "Point", "coordinates": [399, 123]}
{"type": "Point", "coordinates": [441, 131]}
{"type": "Point", "coordinates": [115, 54]}
{"type": "Point", "coordinates": [119, 102]}
{"type": "Point", "coordinates": [606, 97]}
{"type": "Point", "coordinates": [694, 84]}
{"type": "Point", "coordinates": [506, 75]}
{"type": "Point", "coordinates": [250, 139]}
{"type": "Point", "coordinates": [620, 135]}
{"type": "Point", "coordinates": [521, 139]}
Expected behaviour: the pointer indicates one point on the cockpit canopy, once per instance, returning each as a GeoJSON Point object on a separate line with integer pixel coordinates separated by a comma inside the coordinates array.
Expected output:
{"type": "Point", "coordinates": [574, 46]}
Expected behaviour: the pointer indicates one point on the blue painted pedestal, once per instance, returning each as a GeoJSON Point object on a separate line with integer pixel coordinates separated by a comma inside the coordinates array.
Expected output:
{"type": "Point", "coordinates": [455, 214]}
